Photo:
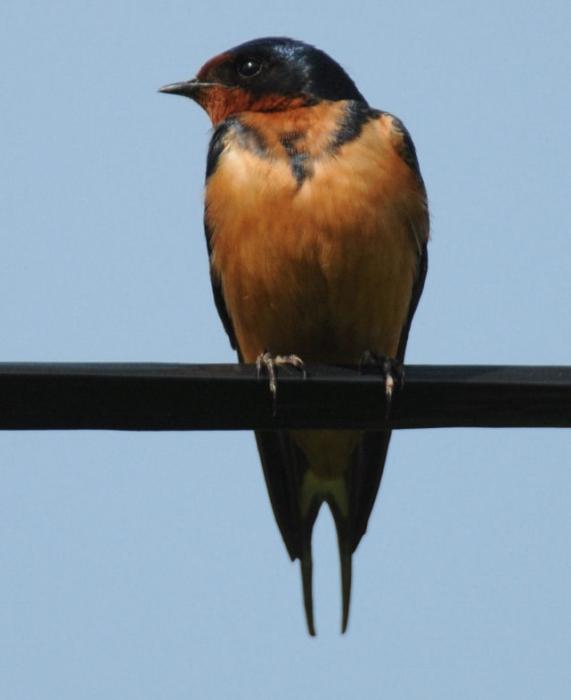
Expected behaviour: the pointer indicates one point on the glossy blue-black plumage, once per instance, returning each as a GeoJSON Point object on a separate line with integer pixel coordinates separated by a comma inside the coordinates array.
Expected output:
{"type": "Point", "coordinates": [289, 67]}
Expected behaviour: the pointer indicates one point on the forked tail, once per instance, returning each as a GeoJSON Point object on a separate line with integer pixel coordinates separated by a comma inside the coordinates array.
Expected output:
{"type": "Point", "coordinates": [314, 493]}
{"type": "Point", "coordinates": [297, 494]}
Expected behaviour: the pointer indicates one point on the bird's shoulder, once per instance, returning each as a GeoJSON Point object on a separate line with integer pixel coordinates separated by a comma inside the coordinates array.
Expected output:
{"type": "Point", "coordinates": [321, 132]}
{"type": "Point", "coordinates": [232, 132]}
{"type": "Point", "coordinates": [400, 139]}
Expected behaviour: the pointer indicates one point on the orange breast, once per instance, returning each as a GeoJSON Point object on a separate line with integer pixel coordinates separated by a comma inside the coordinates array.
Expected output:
{"type": "Point", "coordinates": [324, 270]}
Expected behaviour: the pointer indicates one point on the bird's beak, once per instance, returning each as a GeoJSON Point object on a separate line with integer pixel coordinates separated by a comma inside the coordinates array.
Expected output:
{"type": "Point", "coordinates": [188, 88]}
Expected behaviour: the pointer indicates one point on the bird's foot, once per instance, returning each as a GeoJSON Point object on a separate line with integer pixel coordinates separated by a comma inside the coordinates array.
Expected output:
{"type": "Point", "coordinates": [391, 370]}
{"type": "Point", "coordinates": [266, 362]}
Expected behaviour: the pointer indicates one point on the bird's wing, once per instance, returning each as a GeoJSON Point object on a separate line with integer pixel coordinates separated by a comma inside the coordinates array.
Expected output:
{"type": "Point", "coordinates": [369, 458]}
{"type": "Point", "coordinates": [284, 467]}
{"type": "Point", "coordinates": [214, 151]}
{"type": "Point", "coordinates": [419, 228]}
{"type": "Point", "coordinates": [218, 292]}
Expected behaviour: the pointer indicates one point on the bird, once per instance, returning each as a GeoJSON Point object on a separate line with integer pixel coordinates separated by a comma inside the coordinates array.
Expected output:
{"type": "Point", "coordinates": [317, 224]}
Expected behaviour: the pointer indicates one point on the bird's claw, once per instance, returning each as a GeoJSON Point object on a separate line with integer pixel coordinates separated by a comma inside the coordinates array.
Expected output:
{"type": "Point", "coordinates": [268, 363]}
{"type": "Point", "coordinates": [391, 371]}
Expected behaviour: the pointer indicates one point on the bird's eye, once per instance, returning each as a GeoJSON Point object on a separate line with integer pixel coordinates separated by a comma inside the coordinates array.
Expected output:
{"type": "Point", "coordinates": [249, 67]}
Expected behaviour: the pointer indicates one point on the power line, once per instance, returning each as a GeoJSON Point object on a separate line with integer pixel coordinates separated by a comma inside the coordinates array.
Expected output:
{"type": "Point", "coordinates": [231, 397]}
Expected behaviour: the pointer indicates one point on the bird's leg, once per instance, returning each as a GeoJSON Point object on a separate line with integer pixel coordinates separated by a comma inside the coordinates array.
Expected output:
{"type": "Point", "coordinates": [389, 369]}
{"type": "Point", "coordinates": [293, 360]}
{"type": "Point", "coordinates": [267, 362]}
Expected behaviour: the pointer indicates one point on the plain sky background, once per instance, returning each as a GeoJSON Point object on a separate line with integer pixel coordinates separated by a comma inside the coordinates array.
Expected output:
{"type": "Point", "coordinates": [148, 565]}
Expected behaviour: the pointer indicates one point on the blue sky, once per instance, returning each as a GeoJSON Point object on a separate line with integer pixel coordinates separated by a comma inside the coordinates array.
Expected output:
{"type": "Point", "coordinates": [148, 565]}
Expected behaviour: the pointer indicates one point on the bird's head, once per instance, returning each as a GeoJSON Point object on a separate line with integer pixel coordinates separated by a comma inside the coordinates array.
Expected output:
{"type": "Point", "coordinates": [266, 75]}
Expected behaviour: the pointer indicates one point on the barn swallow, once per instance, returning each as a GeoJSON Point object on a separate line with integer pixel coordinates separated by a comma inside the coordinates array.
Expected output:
{"type": "Point", "coordinates": [316, 224]}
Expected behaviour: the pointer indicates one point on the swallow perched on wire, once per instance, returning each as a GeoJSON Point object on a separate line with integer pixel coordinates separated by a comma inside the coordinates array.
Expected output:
{"type": "Point", "coordinates": [316, 224]}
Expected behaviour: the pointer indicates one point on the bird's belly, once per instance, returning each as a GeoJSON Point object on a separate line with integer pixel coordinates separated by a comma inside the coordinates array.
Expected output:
{"type": "Point", "coordinates": [307, 271]}
{"type": "Point", "coordinates": [323, 314]}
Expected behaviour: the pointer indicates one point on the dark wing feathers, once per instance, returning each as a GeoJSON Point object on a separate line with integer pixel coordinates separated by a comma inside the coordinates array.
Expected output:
{"type": "Point", "coordinates": [405, 148]}
{"type": "Point", "coordinates": [219, 293]}
{"type": "Point", "coordinates": [284, 466]}
{"type": "Point", "coordinates": [415, 298]}
{"type": "Point", "coordinates": [368, 459]}
{"type": "Point", "coordinates": [215, 149]}
{"type": "Point", "coordinates": [405, 145]}
{"type": "Point", "coordinates": [364, 476]}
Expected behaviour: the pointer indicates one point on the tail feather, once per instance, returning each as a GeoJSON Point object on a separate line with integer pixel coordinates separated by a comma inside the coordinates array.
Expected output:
{"type": "Point", "coordinates": [345, 561]}
{"type": "Point", "coordinates": [307, 585]}
{"type": "Point", "coordinates": [334, 492]}
{"type": "Point", "coordinates": [297, 494]}
{"type": "Point", "coordinates": [310, 503]}
{"type": "Point", "coordinates": [346, 566]}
